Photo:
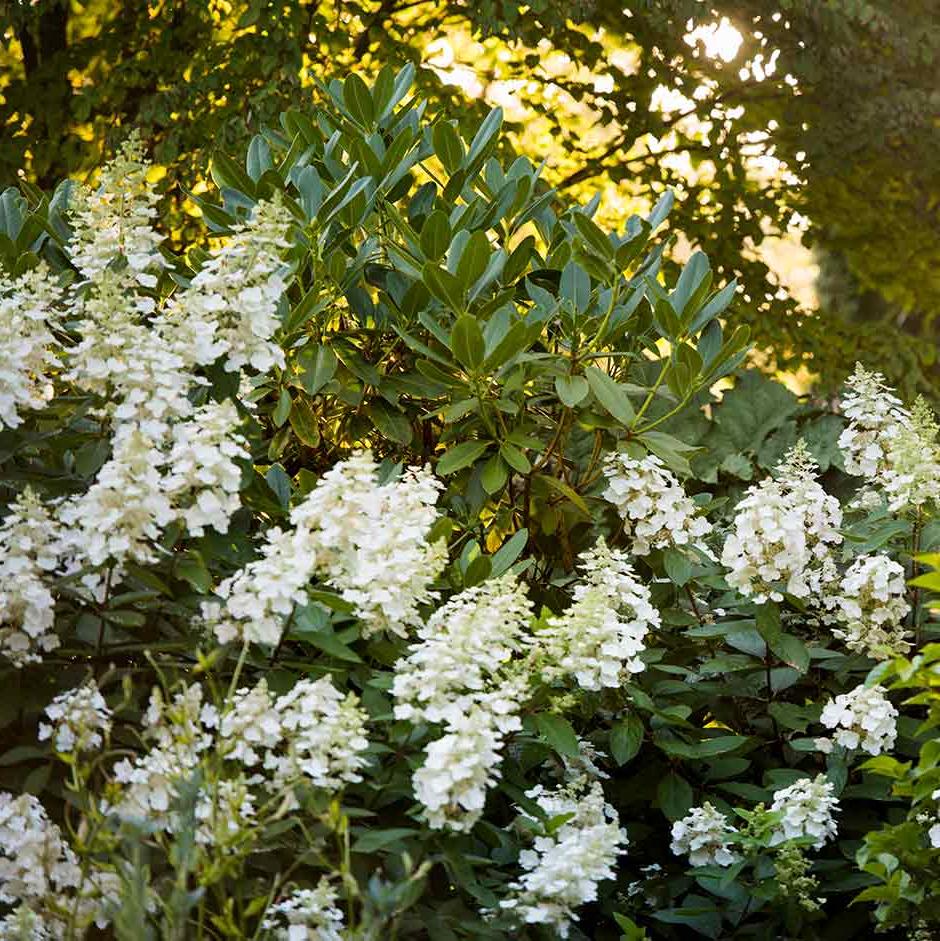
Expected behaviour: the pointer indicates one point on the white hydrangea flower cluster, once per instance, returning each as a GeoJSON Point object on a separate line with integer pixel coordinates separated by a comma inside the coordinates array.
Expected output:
{"type": "Point", "coordinates": [359, 525]}
{"type": "Point", "coordinates": [875, 415]}
{"type": "Point", "coordinates": [463, 764]}
{"type": "Point", "coordinates": [783, 533]}
{"type": "Point", "coordinates": [323, 737]}
{"type": "Point", "coordinates": [41, 875]}
{"type": "Point", "coordinates": [80, 718]}
{"type": "Point", "coordinates": [862, 718]}
{"type": "Point", "coordinates": [313, 733]}
{"type": "Point", "coordinates": [656, 510]}
{"type": "Point", "coordinates": [870, 607]}
{"type": "Point", "coordinates": [203, 477]}
{"type": "Point", "coordinates": [128, 362]}
{"type": "Point", "coordinates": [705, 835]}
{"type": "Point", "coordinates": [562, 870]}
{"type": "Point", "coordinates": [230, 308]}
{"type": "Point", "coordinates": [600, 637]}
{"type": "Point", "coordinates": [346, 529]}
{"type": "Point", "coordinates": [912, 478]}
{"type": "Point", "coordinates": [27, 307]}
{"type": "Point", "coordinates": [462, 674]}
{"type": "Point", "coordinates": [29, 551]}
{"type": "Point", "coordinates": [115, 220]}
{"type": "Point", "coordinates": [462, 652]}
{"type": "Point", "coordinates": [124, 511]}
{"type": "Point", "coordinates": [306, 915]}
{"type": "Point", "coordinates": [807, 807]}
{"type": "Point", "coordinates": [146, 787]}
{"type": "Point", "coordinates": [258, 599]}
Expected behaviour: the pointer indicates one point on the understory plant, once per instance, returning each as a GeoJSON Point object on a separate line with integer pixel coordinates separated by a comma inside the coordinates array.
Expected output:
{"type": "Point", "coordinates": [413, 558]}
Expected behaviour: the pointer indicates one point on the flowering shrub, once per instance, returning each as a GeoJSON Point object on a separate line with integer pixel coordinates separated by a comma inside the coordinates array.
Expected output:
{"type": "Point", "coordinates": [377, 569]}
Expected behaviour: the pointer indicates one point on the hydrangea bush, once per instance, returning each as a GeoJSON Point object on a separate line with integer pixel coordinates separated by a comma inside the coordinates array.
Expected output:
{"type": "Point", "coordinates": [412, 559]}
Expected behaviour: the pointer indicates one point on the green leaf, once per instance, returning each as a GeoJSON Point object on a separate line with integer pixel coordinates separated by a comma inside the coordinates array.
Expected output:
{"type": "Point", "coordinates": [566, 491]}
{"type": "Point", "coordinates": [317, 367]}
{"type": "Point", "coordinates": [467, 343]}
{"type": "Point", "coordinates": [304, 422]}
{"type": "Point", "coordinates": [571, 389]}
{"type": "Point", "coordinates": [444, 286]}
{"type": "Point", "coordinates": [358, 100]}
{"type": "Point", "coordinates": [282, 409]}
{"type": "Point", "coordinates": [678, 566]}
{"type": "Point", "coordinates": [435, 235]}
{"type": "Point", "coordinates": [610, 394]}
{"type": "Point", "coordinates": [674, 795]}
{"type": "Point", "coordinates": [626, 737]}
{"type": "Point", "coordinates": [484, 139]}
{"type": "Point", "coordinates": [515, 458]}
{"type": "Point", "coordinates": [447, 146]}
{"type": "Point", "coordinates": [559, 733]}
{"type": "Point", "coordinates": [508, 552]}
{"type": "Point", "coordinates": [494, 476]}
{"type": "Point", "coordinates": [791, 650]}
{"type": "Point", "coordinates": [460, 456]}
{"type": "Point", "coordinates": [393, 424]}
{"type": "Point", "coordinates": [191, 568]}
{"type": "Point", "coordinates": [575, 286]}
{"type": "Point", "coordinates": [373, 840]}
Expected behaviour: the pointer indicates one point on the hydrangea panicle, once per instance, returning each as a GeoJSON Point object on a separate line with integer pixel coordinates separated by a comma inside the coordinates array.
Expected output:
{"type": "Point", "coordinates": [80, 718]}
{"type": "Point", "coordinates": [30, 549]}
{"type": "Point", "coordinates": [27, 308]}
{"type": "Point", "coordinates": [783, 533]}
{"type": "Point", "coordinates": [306, 915]}
{"type": "Point", "coordinates": [358, 525]}
{"type": "Point", "coordinates": [656, 510]}
{"type": "Point", "coordinates": [862, 718]}
{"type": "Point", "coordinates": [600, 637]}
{"type": "Point", "coordinates": [807, 809]}
{"type": "Point", "coordinates": [870, 607]}
{"type": "Point", "coordinates": [704, 834]}
{"type": "Point", "coordinates": [230, 308]}
{"type": "Point", "coordinates": [562, 869]}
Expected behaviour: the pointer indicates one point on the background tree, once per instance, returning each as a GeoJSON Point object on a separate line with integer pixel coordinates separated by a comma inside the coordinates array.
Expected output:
{"type": "Point", "coordinates": [751, 111]}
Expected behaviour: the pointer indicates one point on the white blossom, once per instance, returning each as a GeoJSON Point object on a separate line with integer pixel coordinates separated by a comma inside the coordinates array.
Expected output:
{"type": "Point", "coordinates": [862, 718]}
{"type": "Point", "coordinates": [656, 510]}
{"type": "Point", "coordinates": [600, 637]}
{"type": "Point", "coordinates": [807, 809]}
{"type": "Point", "coordinates": [324, 737]}
{"type": "Point", "coordinates": [870, 607]}
{"type": "Point", "coordinates": [257, 600]}
{"type": "Point", "coordinates": [371, 540]}
{"type": "Point", "coordinates": [29, 553]}
{"type": "Point", "coordinates": [875, 415]}
{"type": "Point", "coordinates": [306, 915]}
{"type": "Point", "coordinates": [704, 834]}
{"type": "Point", "coordinates": [562, 870]}
{"type": "Point", "coordinates": [115, 221]}
{"type": "Point", "coordinates": [203, 477]}
{"type": "Point", "coordinates": [39, 871]}
{"type": "Point", "coordinates": [121, 516]}
{"type": "Point", "coordinates": [783, 532]}
{"type": "Point", "coordinates": [250, 725]}
{"type": "Point", "coordinates": [27, 347]}
{"type": "Point", "coordinates": [462, 651]}
{"type": "Point", "coordinates": [463, 764]}
{"type": "Point", "coordinates": [912, 477]}
{"type": "Point", "coordinates": [229, 309]}
{"type": "Point", "coordinates": [80, 718]}
{"type": "Point", "coordinates": [128, 362]}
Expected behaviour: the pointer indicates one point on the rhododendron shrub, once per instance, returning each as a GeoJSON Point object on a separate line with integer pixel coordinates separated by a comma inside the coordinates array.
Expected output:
{"type": "Point", "coordinates": [388, 565]}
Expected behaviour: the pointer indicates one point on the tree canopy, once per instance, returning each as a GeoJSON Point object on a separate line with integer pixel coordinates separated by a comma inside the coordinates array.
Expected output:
{"type": "Point", "coordinates": [761, 116]}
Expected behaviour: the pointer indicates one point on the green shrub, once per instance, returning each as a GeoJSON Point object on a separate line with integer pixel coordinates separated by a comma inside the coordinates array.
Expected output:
{"type": "Point", "coordinates": [387, 563]}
